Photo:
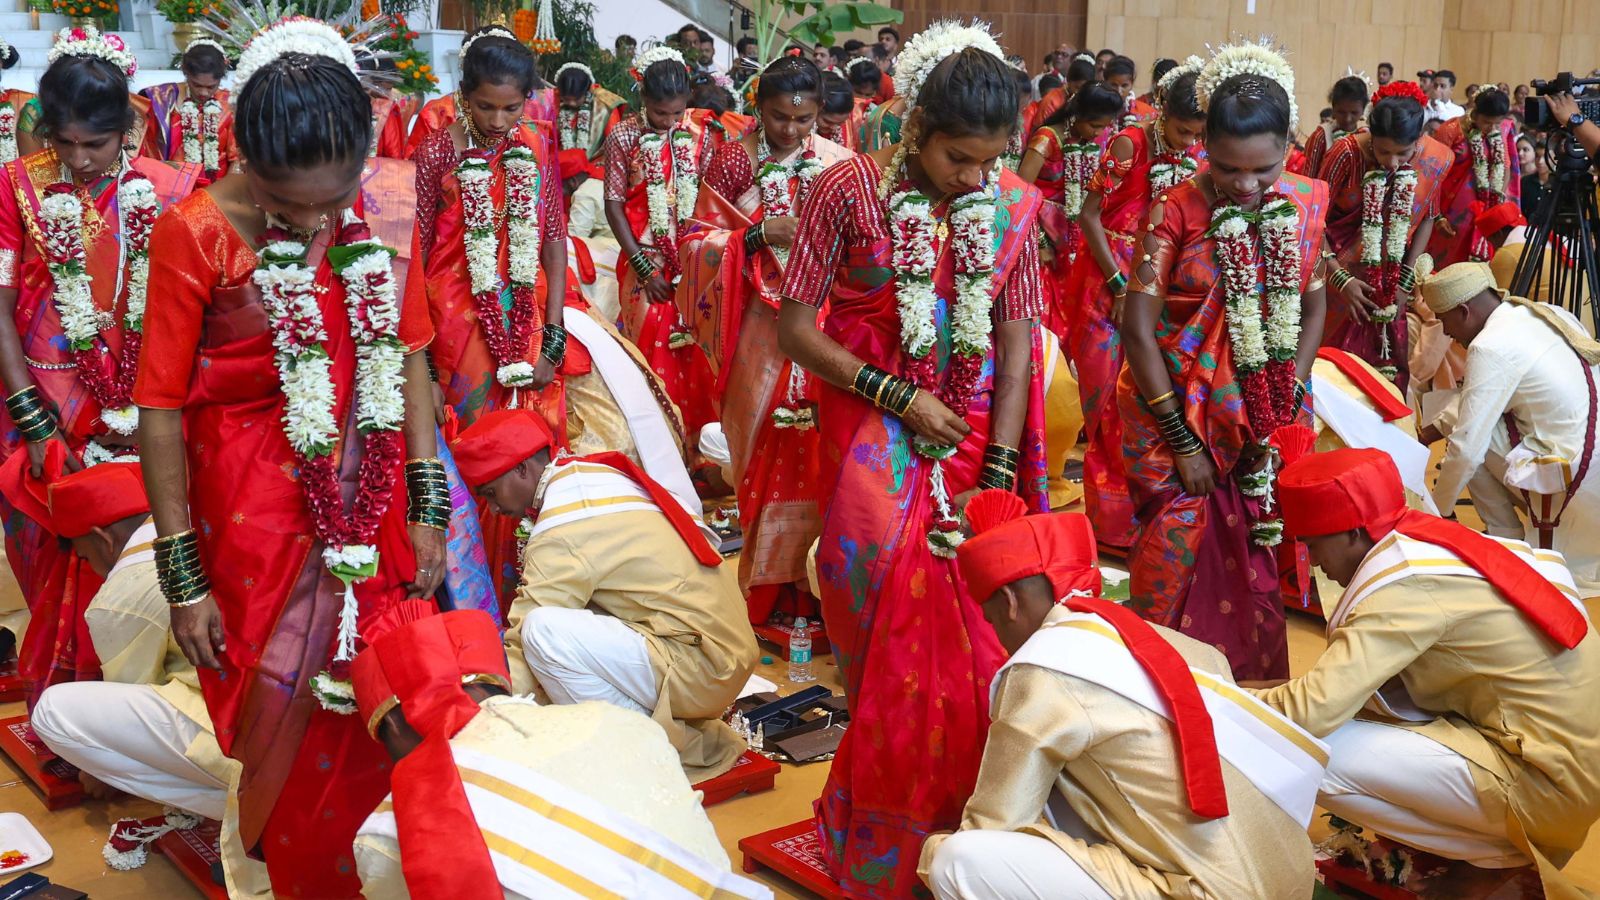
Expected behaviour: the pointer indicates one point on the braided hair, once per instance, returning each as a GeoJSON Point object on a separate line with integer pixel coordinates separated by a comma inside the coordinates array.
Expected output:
{"type": "Point", "coordinates": [1247, 105]}
{"type": "Point", "coordinates": [967, 93]}
{"type": "Point", "coordinates": [300, 111]}
{"type": "Point", "coordinates": [493, 59]}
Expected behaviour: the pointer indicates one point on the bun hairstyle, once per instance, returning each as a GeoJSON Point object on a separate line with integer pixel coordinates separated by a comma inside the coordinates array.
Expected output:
{"type": "Point", "coordinates": [971, 91]}
{"type": "Point", "coordinates": [837, 98]}
{"type": "Point", "coordinates": [1491, 102]}
{"type": "Point", "coordinates": [1092, 101]}
{"type": "Point", "coordinates": [86, 91]}
{"type": "Point", "coordinates": [1351, 88]}
{"type": "Point", "coordinates": [1398, 113]}
{"type": "Point", "coordinates": [789, 76]}
{"type": "Point", "coordinates": [495, 59]}
{"type": "Point", "coordinates": [204, 59]}
{"type": "Point", "coordinates": [301, 110]}
{"type": "Point", "coordinates": [8, 56]}
{"type": "Point", "coordinates": [1161, 68]}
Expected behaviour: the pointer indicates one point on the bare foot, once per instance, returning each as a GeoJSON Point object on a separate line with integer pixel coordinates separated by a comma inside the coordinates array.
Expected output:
{"type": "Point", "coordinates": [95, 789]}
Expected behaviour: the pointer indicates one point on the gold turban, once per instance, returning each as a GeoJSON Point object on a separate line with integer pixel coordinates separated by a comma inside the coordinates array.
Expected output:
{"type": "Point", "coordinates": [1455, 285]}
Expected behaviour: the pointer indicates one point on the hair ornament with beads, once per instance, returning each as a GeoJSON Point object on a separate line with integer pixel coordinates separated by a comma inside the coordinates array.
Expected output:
{"type": "Point", "coordinates": [1257, 58]}
{"type": "Point", "coordinates": [491, 31]}
{"type": "Point", "coordinates": [576, 67]}
{"type": "Point", "coordinates": [90, 42]}
{"type": "Point", "coordinates": [926, 50]}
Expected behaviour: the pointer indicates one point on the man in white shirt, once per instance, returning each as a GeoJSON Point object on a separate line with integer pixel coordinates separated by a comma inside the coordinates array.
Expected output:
{"type": "Point", "coordinates": [1526, 411]}
{"type": "Point", "coordinates": [1440, 107]}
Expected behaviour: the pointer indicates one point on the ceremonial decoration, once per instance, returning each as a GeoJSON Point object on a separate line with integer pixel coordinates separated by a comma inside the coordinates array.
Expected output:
{"type": "Point", "coordinates": [926, 50]}
{"type": "Point", "coordinates": [290, 296]}
{"type": "Point", "coordinates": [1192, 64]}
{"type": "Point", "coordinates": [201, 129]}
{"type": "Point", "coordinates": [575, 125]}
{"type": "Point", "coordinates": [481, 239]}
{"type": "Point", "coordinates": [89, 41]}
{"type": "Point", "coordinates": [1080, 162]}
{"type": "Point", "coordinates": [61, 229]}
{"type": "Point", "coordinates": [672, 203]}
{"type": "Point", "coordinates": [1170, 170]}
{"type": "Point", "coordinates": [1488, 153]}
{"type": "Point", "coordinates": [1386, 201]}
{"type": "Point", "coordinates": [777, 199]}
{"type": "Point", "coordinates": [544, 34]}
{"type": "Point", "coordinates": [1248, 58]}
{"type": "Point", "coordinates": [8, 133]}
{"type": "Point", "coordinates": [660, 53]}
{"type": "Point", "coordinates": [1264, 346]}
{"type": "Point", "coordinates": [491, 31]}
{"type": "Point", "coordinates": [915, 234]}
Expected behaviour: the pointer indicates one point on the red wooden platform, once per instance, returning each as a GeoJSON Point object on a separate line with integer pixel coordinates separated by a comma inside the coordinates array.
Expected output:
{"type": "Point", "coordinates": [194, 851]}
{"type": "Point", "coordinates": [778, 636]}
{"type": "Point", "coordinates": [752, 774]}
{"type": "Point", "coordinates": [11, 688]}
{"type": "Point", "coordinates": [55, 779]}
{"type": "Point", "coordinates": [793, 851]}
{"type": "Point", "coordinates": [1438, 878]}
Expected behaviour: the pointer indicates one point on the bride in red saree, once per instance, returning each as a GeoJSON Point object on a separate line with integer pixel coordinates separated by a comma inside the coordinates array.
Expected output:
{"type": "Point", "coordinates": [492, 349]}
{"type": "Point", "coordinates": [654, 165]}
{"type": "Point", "coordinates": [539, 104]}
{"type": "Point", "coordinates": [733, 261]}
{"type": "Point", "coordinates": [1231, 251]}
{"type": "Point", "coordinates": [69, 349]}
{"type": "Point", "coordinates": [1384, 190]}
{"type": "Point", "coordinates": [1142, 163]}
{"type": "Point", "coordinates": [282, 391]}
{"type": "Point", "coordinates": [926, 393]}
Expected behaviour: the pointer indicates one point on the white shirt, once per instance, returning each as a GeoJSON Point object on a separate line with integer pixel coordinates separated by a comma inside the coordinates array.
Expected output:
{"type": "Point", "coordinates": [1444, 110]}
{"type": "Point", "coordinates": [1517, 365]}
{"type": "Point", "coordinates": [587, 216]}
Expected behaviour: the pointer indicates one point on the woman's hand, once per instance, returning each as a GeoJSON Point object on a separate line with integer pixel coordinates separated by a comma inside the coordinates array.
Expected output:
{"type": "Point", "coordinates": [1357, 296]}
{"type": "Point", "coordinates": [428, 545]}
{"type": "Point", "coordinates": [544, 372]}
{"type": "Point", "coordinates": [198, 631]}
{"type": "Point", "coordinates": [1117, 302]}
{"type": "Point", "coordinates": [438, 404]}
{"type": "Point", "coordinates": [1198, 474]}
{"type": "Point", "coordinates": [931, 419]}
{"type": "Point", "coordinates": [1443, 225]}
{"type": "Point", "coordinates": [656, 289]}
{"type": "Point", "coordinates": [779, 230]}
{"type": "Point", "coordinates": [36, 452]}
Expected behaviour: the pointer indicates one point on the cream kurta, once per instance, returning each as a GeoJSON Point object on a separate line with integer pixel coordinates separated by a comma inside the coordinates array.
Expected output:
{"type": "Point", "coordinates": [634, 566]}
{"type": "Point", "coordinates": [1116, 764]}
{"type": "Point", "coordinates": [640, 778]}
{"type": "Point", "coordinates": [1509, 700]}
{"type": "Point", "coordinates": [1522, 366]}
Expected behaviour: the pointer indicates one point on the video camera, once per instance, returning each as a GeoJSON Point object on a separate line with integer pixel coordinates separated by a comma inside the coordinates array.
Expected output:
{"type": "Point", "coordinates": [1536, 109]}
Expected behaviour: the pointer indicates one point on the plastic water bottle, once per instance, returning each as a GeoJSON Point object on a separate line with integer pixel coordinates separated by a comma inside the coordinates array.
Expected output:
{"type": "Point", "coordinates": [800, 652]}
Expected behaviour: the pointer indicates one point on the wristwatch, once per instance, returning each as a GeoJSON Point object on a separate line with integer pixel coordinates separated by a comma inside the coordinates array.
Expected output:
{"type": "Point", "coordinates": [1576, 120]}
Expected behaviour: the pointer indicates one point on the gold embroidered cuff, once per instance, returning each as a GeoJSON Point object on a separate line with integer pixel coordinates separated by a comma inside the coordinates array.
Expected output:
{"type": "Point", "coordinates": [1150, 274]}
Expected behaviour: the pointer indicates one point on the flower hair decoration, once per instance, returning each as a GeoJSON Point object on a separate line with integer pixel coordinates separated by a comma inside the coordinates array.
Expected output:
{"type": "Point", "coordinates": [850, 66]}
{"type": "Point", "coordinates": [491, 31]}
{"type": "Point", "coordinates": [255, 34]}
{"type": "Point", "coordinates": [1406, 90]}
{"type": "Point", "coordinates": [91, 42]}
{"type": "Point", "coordinates": [1350, 72]}
{"type": "Point", "coordinates": [658, 53]}
{"type": "Point", "coordinates": [1192, 64]}
{"type": "Point", "coordinates": [926, 50]}
{"type": "Point", "coordinates": [1258, 58]}
{"type": "Point", "coordinates": [575, 66]}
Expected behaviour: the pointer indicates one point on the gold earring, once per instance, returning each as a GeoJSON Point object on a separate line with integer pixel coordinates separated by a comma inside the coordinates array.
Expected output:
{"type": "Point", "coordinates": [913, 146]}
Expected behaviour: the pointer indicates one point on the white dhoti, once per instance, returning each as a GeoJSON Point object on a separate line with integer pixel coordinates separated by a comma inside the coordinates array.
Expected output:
{"type": "Point", "coordinates": [1411, 788]}
{"type": "Point", "coordinates": [1009, 865]}
{"type": "Point", "coordinates": [129, 737]}
{"type": "Point", "coordinates": [578, 655]}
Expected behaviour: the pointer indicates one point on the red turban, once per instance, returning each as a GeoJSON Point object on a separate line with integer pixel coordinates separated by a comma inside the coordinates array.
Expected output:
{"type": "Point", "coordinates": [497, 442]}
{"type": "Point", "coordinates": [418, 659]}
{"type": "Point", "coordinates": [96, 497]}
{"type": "Point", "coordinates": [576, 160]}
{"type": "Point", "coordinates": [1009, 546]}
{"type": "Point", "coordinates": [1344, 490]}
{"type": "Point", "coordinates": [1489, 220]}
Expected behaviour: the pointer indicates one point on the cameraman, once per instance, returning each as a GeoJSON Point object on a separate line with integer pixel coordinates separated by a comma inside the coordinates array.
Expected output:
{"type": "Point", "coordinates": [1564, 110]}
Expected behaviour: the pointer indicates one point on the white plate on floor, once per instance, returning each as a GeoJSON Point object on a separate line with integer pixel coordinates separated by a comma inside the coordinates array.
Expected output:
{"type": "Point", "coordinates": [18, 834]}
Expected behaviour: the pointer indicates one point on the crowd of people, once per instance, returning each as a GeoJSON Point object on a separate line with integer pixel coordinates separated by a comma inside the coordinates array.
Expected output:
{"type": "Point", "coordinates": [357, 455]}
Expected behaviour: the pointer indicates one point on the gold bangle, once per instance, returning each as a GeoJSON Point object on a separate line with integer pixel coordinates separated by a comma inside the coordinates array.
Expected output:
{"type": "Point", "coordinates": [1161, 399]}
{"type": "Point", "coordinates": [1316, 284]}
{"type": "Point", "coordinates": [197, 598]}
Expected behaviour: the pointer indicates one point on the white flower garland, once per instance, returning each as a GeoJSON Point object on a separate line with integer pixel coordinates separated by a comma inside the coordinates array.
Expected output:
{"type": "Point", "coordinates": [1247, 59]}
{"type": "Point", "coordinates": [1080, 161]}
{"type": "Point", "coordinates": [296, 34]}
{"type": "Point", "coordinates": [1377, 246]}
{"type": "Point", "coordinates": [1488, 162]}
{"type": "Point", "coordinates": [915, 255]}
{"type": "Point", "coordinates": [669, 204]}
{"type": "Point", "coordinates": [656, 54]}
{"type": "Point", "coordinates": [575, 126]}
{"type": "Point", "coordinates": [773, 181]}
{"type": "Point", "coordinates": [91, 42]}
{"type": "Point", "coordinates": [1164, 176]}
{"type": "Point", "coordinates": [61, 229]}
{"type": "Point", "coordinates": [201, 130]}
{"type": "Point", "coordinates": [481, 240]}
{"type": "Point", "coordinates": [8, 133]}
{"type": "Point", "coordinates": [687, 172]}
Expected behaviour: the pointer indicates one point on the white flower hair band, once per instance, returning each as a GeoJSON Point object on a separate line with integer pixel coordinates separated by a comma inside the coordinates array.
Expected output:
{"type": "Point", "coordinates": [206, 42]}
{"type": "Point", "coordinates": [90, 42]}
{"type": "Point", "coordinates": [1257, 58]}
{"type": "Point", "coordinates": [578, 66]}
{"type": "Point", "coordinates": [926, 50]}
{"type": "Point", "coordinates": [658, 53]}
{"type": "Point", "coordinates": [491, 31]}
{"type": "Point", "coordinates": [1192, 64]}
